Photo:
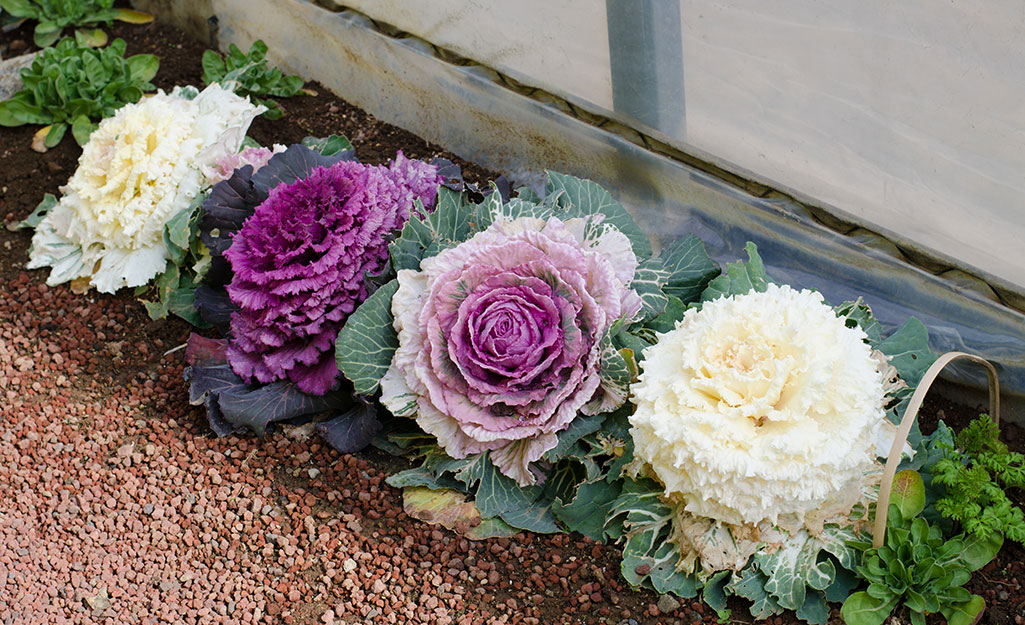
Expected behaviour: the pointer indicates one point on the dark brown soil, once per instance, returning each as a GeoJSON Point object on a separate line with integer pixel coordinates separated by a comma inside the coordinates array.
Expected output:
{"type": "Point", "coordinates": [25, 176]}
{"type": "Point", "coordinates": [17, 41]}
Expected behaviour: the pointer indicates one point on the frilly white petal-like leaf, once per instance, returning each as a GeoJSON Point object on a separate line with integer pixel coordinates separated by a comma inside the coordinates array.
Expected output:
{"type": "Point", "coordinates": [139, 169]}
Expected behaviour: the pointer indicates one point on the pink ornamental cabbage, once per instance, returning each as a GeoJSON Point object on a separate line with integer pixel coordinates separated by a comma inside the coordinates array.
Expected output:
{"type": "Point", "coordinates": [257, 156]}
{"type": "Point", "coordinates": [299, 263]}
{"type": "Point", "coordinates": [500, 337]}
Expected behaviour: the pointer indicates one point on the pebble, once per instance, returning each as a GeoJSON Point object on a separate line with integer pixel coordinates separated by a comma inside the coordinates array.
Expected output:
{"type": "Point", "coordinates": [98, 602]}
{"type": "Point", "coordinates": [667, 604]}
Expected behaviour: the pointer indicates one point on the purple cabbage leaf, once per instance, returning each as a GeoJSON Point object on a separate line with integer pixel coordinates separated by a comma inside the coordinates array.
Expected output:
{"type": "Point", "coordinates": [234, 200]}
{"type": "Point", "coordinates": [352, 430]}
{"type": "Point", "coordinates": [234, 406]}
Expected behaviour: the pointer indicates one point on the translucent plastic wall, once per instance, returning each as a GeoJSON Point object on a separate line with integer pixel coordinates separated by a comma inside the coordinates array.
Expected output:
{"type": "Point", "coordinates": [906, 115]}
{"type": "Point", "coordinates": [472, 111]}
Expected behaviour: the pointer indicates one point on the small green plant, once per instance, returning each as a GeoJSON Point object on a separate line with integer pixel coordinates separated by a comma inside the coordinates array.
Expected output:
{"type": "Point", "coordinates": [56, 15]}
{"type": "Point", "coordinates": [918, 566]}
{"type": "Point", "coordinates": [976, 474]}
{"type": "Point", "coordinates": [250, 75]}
{"type": "Point", "coordinates": [73, 85]}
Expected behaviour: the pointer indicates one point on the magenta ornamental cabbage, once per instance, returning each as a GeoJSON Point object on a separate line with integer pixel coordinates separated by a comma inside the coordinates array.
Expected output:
{"type": "Point", "coordinates": [416, 179]}
{"type": "Point", "coordinates": [299, 263]}
{"type": "Point", "coordinates": [500, 337]}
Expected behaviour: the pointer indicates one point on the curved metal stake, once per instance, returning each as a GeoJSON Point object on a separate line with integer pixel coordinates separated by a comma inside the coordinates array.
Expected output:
{"type": "Point", "coordinates": [882, 506]}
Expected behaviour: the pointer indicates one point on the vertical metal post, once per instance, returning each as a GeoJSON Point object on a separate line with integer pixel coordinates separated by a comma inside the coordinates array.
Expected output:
{"type": "Point", "coordinates": [646, 53]}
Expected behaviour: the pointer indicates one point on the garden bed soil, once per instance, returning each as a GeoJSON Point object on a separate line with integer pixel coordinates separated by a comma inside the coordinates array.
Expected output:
{"type": "Point", "coordinates": [17, 41]}
{"type": "Point", "coordinates": [117, 503]}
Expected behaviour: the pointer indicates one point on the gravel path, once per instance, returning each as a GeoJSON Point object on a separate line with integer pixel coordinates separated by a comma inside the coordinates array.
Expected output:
{"type": "Point", "coordinates": [117, 505]}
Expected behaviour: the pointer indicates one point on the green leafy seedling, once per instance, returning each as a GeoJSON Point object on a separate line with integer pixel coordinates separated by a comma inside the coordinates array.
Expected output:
{"type": "Point", "coordinates": [251, 75]}
{"type": "Point", "coordinates": [976, 473]}
{"type": "Point", "coordinates": [72, 86]}
{"type": "Point", "coordinates": [917, 566]}
{"type": "Point", "coordinates": [53, 16]}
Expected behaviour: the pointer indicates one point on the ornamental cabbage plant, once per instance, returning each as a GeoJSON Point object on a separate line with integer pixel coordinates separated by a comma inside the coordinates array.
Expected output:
{"type": "Point", "coordinates": [500, 337]}
{"type": "Point", "coordinates": [751, 464]}
{"type": "Point", "coordinates": [506, 340]}
{"type": "Point", "coordinates": [760, 408]}
{"type": "Point", "coordinates": [139, 169]}
{"type": "Point", "coordinates": [299, 264]}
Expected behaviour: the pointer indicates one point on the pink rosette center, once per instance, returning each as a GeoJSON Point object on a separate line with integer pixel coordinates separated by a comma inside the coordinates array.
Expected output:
{"type": "Point", "coordinates": [503, 347]}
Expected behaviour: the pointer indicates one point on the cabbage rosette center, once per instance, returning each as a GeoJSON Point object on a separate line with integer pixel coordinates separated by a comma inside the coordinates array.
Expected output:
{"type": "Point", "coordinates": [760, 408]}
{"type": "Point", "coordinates": [500, 337]}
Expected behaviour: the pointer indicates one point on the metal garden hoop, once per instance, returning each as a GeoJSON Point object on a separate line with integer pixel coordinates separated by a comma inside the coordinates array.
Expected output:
{"type": "Point", "coordinates": [882, 508]}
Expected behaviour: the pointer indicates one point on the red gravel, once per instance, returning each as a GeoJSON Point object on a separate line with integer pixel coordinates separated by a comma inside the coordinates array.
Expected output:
{"type": "Point", "coordinates": [118, 507]}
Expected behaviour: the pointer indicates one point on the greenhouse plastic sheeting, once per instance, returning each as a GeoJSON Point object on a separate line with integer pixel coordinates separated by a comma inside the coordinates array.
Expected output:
{"type": "Point", "coordinates": [468, 111]}
{"type": "Point", "coordinates": [904, 115]}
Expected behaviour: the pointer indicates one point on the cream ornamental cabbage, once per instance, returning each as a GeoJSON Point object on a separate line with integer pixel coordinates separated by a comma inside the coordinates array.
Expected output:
{"type": "Point", "coordinates": [139, 169]}
{"type": "Point", "coordinates": [760, 409]}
